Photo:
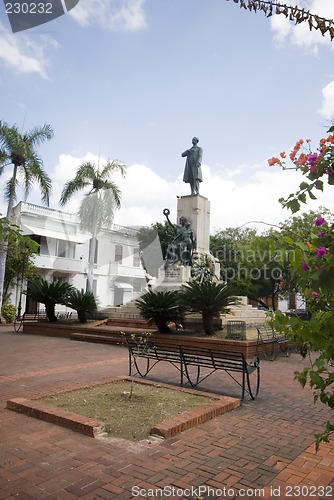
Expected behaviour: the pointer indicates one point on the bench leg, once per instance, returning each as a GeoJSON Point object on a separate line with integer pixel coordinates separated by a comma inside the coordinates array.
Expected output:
{"type": "Point", "coordinates": [246, 378]}
{"type": "Point", "coordinates": [133, 363]}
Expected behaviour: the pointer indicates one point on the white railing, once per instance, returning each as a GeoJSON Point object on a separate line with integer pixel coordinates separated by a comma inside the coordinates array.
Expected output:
{"type": "Point", "coordinates": [47, 212]}
{"type": "Point", "coordinates": [67, 216]}
{"type": "Point", "coordinates": [59, 263]}
{"type": "Point", "coordinates": [119, 271]}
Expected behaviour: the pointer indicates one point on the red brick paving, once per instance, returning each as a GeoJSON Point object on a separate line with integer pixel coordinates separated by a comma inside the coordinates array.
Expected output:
{"type": "Point", "coordinates": [264, 449]}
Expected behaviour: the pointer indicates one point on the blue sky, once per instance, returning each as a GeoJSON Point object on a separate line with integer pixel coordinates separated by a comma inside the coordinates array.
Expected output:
{"type": "Point", "coordinates": [137, 79]}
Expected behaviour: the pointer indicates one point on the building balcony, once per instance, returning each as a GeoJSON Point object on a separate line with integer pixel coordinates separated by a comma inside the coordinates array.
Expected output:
{"type": "Point", "coordinates": [119, 270]}
{"type": "Point", "coordinates": [73, 266]}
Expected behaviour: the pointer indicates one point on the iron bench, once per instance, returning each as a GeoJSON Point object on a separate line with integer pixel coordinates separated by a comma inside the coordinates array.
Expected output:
{"type": "Point", "coordinates": [272, 342]}
{"type": "Point", "coordinates": [183, 357]}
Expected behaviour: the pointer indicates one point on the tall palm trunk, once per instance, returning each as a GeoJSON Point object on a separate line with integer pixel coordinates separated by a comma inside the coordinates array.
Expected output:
{"type": "Point", "coordinates": [4, 242]}
{"type": "Point", "coordinates": [91, 258]}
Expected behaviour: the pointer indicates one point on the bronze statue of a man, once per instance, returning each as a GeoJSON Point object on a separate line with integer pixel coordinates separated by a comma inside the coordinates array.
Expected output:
{"type": "Point", "coordinates": [181, 248]}
{"type": "Point", "coordinates": [193, 171]}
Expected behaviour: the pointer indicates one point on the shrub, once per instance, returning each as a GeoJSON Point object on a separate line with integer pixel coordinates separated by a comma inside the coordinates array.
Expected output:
{"type": "Point", "coordinates": [161, 308]}
{"type": "Point", "coordinates": [8, 312]}
{"type": "Point", "coordinates": [209, 298]}
{"type": "Point", "coordinates": [82, 302]}
{"type": "Point", "coordinates": [49, 294]}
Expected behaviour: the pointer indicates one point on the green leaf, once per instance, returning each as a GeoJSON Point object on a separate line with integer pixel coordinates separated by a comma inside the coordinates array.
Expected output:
{"type": "Point", "coordinates": [324, 398]}
{"type": "Point", "coordinates": [294, 205]}
{"type": "Point", "coordinates": [303, 185]}
{"type": "Point", "coordinates": [301, 377]}
{"type": "Point", "coordinates": [302, 197]}
{"type": "Point", "coordinates": [316, 380]}
{"type": "Point", "coordinates": [331, 401]}
{"type": "Point", "coordinates": [289, 240]}
{"type": "Point", "coordinates": [312, 196]}
{"type": "Point", "coordinates": [326, 280]}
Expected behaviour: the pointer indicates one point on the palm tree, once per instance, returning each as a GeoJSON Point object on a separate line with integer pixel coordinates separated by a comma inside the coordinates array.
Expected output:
{"type": "Point", "coordinates": [82, 302]}
{"type": "Point", "coordinates": [49, 294]}
{"type": "Point", "coordinates": [209, 298]}
{"type": "Point", "coordinates": [99, 204]}
{"type": "Point", "coordinates": [161, 308]}
{"type": "Point", "coordinates": [19, 149]}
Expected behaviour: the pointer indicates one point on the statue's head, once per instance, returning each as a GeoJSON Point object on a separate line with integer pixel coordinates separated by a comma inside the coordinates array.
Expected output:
{"type": "Point", "coordinates": [195, 140]}
{"type": "Point", "coordinates": [183, 221]}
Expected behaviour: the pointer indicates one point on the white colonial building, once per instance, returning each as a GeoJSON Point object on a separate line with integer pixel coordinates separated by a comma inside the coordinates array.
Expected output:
{"type": "Point", "coordinates": [63, 255]}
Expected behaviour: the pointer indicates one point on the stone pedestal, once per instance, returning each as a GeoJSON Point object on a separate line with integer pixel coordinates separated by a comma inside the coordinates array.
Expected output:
{"type": "Point", "coordinates": [173, 277]}
{"type": "Point", "coordinates": [196, 209]}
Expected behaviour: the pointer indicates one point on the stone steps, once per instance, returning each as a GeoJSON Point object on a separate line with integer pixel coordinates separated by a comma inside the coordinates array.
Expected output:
{"type": "Point", "coordinates": [127, 322]}
{"type": "Point", "coordinates": [98, 338]}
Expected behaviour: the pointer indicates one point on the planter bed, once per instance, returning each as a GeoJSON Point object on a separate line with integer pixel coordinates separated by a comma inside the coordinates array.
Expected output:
{"type": "Point", "coordinates": [112, 335]}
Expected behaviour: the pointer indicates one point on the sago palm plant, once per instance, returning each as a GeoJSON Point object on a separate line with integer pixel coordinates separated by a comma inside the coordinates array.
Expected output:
{"type": "Point", "coordinates": [82, 302]}
{"type": "Point", "coordinates": [160, 308]}
{"type": "Point", "coordinates": [208, 298]}
{"type": "Point", "coordinates": [49, 294]}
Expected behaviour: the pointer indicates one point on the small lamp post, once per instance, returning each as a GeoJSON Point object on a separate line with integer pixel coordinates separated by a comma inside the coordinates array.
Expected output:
{"type": "Point", "coordinates": [19, 316]}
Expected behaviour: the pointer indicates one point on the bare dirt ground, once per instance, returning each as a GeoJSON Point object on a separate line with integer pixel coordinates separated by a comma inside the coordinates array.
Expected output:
{"type": "Point", "coordinates": [129, 411]}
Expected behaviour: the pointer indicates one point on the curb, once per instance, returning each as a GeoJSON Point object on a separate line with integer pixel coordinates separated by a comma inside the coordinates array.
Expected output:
{"type": "Point", "coordinates": [94, 428]}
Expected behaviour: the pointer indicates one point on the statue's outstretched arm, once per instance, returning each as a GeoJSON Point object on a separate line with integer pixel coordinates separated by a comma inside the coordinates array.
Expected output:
{"type": "Point", "coordinates": [166, 213]}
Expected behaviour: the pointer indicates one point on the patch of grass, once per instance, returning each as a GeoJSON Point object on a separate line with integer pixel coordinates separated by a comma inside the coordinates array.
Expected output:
{"type": "Point", "coordinates": [125, 417]}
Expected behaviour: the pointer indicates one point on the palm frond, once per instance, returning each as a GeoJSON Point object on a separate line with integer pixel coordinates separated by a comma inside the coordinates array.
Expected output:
{"type": "Point", "coordinates": [20, 150]}
{"type": "Point", "coordinates": [111, 167]}
{"type": "Point", "coordinates": [10, 189]}
{"type": "Point", "coordinates": [209, 297]}
{"type": "Point", "coordinates": [99, 204]}
{"type": "Point", "coordinates": [44, 291]}
{"type": "Point", "coordinates": [38, 135]}
{"type": "Point", "coordinates": [38, 174]}
{"type": "Point", "coordinates": [70, 188]}
{"type": "Point", "coordinates": [161, 308]}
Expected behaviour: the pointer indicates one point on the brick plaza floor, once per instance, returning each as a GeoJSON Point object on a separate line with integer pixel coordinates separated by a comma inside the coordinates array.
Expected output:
{"type": "Point", "coordinates": [264, 449]}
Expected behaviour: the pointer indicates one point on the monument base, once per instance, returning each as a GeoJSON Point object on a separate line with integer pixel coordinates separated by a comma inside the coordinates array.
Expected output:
{"type": "Point", "coordinates": [196, 209]}
{"type": "Point", "coordinates": [172, 277]}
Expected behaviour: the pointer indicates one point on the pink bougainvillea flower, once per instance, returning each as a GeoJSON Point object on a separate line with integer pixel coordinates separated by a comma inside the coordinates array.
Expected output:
{"type": "Point", "coordinates": [321, 252]}
{"type": "Point", "coordinates": [272, 161]}
{"type": "Point", "coordinates": [312, 160]}
{"type": "Point", "coordinates": [302, 159]}
{"type": "Point", "coordinates": [314, 294]}
{"type": "Point", "coordinates": [319, 221]}
{"type": "Point", "coordinates": [321, 234]}
{"type": "Point", "coordinates": [283, 154]}
{"type": "Point", "coordinates": [305, 266]}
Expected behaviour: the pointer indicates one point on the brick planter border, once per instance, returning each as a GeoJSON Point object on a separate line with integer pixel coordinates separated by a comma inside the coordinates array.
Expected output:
{"type": "Point", "coordinates": [101, 334]}
{"type": "Point", "coordinates": [94, 428]}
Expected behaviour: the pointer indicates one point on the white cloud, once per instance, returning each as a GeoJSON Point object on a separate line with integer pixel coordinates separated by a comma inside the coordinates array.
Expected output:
{"type": "Point", "coordinates": [24, 55]}
{"type": "Point", "coordinates": [327, 108]}
{"type": "Point", "coordinates": [300, 35]}
{"type": "Point", "coordinates": [125, 15]}
{"type": "Point", "coordinates": [233, 203]}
